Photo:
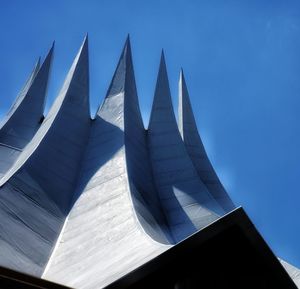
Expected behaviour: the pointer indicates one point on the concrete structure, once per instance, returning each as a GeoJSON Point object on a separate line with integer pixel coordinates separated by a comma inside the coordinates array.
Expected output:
{"type": "Point", "coordinates": [84, 200]}
{"type": "Point", "coordinates": [25, 116]}
{"type": "Point", "coordinates": [195, 148]}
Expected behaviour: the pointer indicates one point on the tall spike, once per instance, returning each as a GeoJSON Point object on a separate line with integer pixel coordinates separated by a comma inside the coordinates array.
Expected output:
{"type": "Point", "coordinates": [116, 172]}
{"type": "Point", "coordinates": [115, 93]}
{"type": "Point", "coordinates": [162, 104]}
{"type": "Point", "coordinates": [68, 116]}
{"type": "Point", "coordinates": [117, 84]}
{"type": "Point", "coordinates": [185, 200]}
{"type": "Point", "coordinates": [80, 206]}
{"type": "Point", "coordinates": [195, 148]}
{"type": "Point", "coordinates": [25, 116]}
{"type": "Point", "coordinates": [39, 187]}
{"type": "Point", "coordinates": [122, 94]}
{"type": "Point", "coordinates": [121, 109]}
{"type": "Point", "coordinates": [143, 191]}
{"type": "Point", "coordinates": [38, 89]}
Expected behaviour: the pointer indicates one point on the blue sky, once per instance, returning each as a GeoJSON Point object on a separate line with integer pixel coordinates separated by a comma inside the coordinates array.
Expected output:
{"type": "Point", "coordinates": [242, 66]}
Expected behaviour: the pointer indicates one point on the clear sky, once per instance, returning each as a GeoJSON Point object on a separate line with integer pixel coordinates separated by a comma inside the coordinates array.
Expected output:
{"type": "Point", "coordinates": [242, 66]}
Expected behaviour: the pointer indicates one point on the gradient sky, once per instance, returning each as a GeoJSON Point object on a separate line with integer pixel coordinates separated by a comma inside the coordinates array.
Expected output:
{"type": "Point", "coordinates": [242, 66]}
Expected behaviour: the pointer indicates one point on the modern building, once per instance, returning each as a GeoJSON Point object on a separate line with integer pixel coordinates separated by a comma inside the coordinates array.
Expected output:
{"type": "Point", "coordinates": [103, 202]}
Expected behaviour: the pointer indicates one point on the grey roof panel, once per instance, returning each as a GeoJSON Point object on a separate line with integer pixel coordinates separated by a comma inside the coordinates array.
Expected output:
{"type": "Point", "coordinates": [87, 201]}
{"type": "Point", "coordinates": [195, 148]}
{"type": "Point", "coordinates": [104, 236]}
{"type": "Point", "coordinates": [143, 191]}
{"type": "Point", "coordinates": [36, 192]}
{"type": "Point", "coordinates": [181, 191]}
{"type": "Point", "coordinates": [24, 117]}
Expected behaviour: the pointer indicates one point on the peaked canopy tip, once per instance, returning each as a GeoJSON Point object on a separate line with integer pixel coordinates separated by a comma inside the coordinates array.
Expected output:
{"type": "Point", "coordinates": [162, 60]}
{"type": "Point", "coordinates": [85, 39]}
{"type": "Point", "coordinates": [181, 75]}
{"type": "Point", "coordinates": [47, 60]}
{"type": "Point", "coordinates": [51, 48]}
{"type": "Point", "coordinates": [84, 46]}
{"type": "Point", "coordinates": [127, 43]}
{"type": "Point", "coordinates": [126, 52]}
{"type": "Point", "coordinates": [49, 54]}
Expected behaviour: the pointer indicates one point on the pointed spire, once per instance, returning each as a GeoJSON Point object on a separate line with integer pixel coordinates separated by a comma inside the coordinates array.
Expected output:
{"type": "Point", "coordinates": [121, 96]}
{"type": "Point", "coordinates": [162, 57]}
{"type": "Point", "coordinates": [162, 81]}
{"type": "Point", "coordinates": [81, 59]}
{"type": "Point", "coordinates": [39, 85]}
{"type": "Point", "coordinates": [37, 90]}
{"type": "Point", "coordinates": [181, 191]}
{"type": "Point", "coordinates": [83, 52]}
{"type": "Point", "coordinates": [36, 96]}
{"type": "Point", "coordinates": [69, 115]}
{"type": "Point", "coordinates": [162, 107]}
{"type": "Point", "coordinates": [76, 84]}
{"type": "Point", "coordinates": [117, 84]}
{"type": "Point", "coordinates": [23, 119]}
{"type": "Point", "coordinates": [75, 88]}
{"type": "Point", "coordinates": [184, 106]}
{"type": "Point", "coordinates": [194, 146]}
{"type": "Point", "coordinates": [48, 59]}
